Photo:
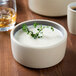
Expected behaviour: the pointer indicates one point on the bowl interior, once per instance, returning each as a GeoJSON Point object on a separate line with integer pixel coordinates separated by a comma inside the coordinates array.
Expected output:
{"type": "Point", "coordinates": [44, 22]}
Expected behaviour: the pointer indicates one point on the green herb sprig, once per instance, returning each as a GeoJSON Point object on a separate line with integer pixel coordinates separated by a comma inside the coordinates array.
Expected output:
{"type": "Point", "coordinates": [35, 24]}
{"type": "Point", "coordinates": [52, 28]}
{"type": "Point", "coordinates": [36, 35]}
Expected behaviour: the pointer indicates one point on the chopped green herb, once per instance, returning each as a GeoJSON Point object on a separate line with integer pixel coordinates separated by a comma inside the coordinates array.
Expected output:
{"type": "Point", "coordinates": [24, 27]}
{"type": "Point", "coordinates": [52, 28]}
{"type": "Point", "coordinates": [36, 35]}
{"type": "Point", "coordinates": [40, 28]}
{"type": "Point", "coordinates": [35, 25]}
{"type": "Point", "coordinates": [39, 36]}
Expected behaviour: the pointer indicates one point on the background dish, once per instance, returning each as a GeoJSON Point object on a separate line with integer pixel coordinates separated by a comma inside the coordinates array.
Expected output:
{"type": "Point", "coordinates": [49, 7]}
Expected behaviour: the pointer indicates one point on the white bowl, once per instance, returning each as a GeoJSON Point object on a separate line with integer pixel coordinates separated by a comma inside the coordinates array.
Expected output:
{"type": "Point", "coordinates": [42, 57]}
{"type": "Point", "coordinates": [49, 7]}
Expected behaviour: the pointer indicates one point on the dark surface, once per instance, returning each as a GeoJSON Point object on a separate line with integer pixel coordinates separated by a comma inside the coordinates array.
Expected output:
{"type": "Point", "coordinates": [9, 67]}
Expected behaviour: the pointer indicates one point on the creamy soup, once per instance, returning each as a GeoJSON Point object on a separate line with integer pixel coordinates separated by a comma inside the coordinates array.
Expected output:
{"type": "Point", "coordinates": [49, 37]}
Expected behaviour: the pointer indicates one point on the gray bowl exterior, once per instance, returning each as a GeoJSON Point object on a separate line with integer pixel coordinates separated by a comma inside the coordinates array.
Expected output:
{"type": "Point", "coordinates": [38, 57]}
{"type": "Point", "coordinates": [49, 7]}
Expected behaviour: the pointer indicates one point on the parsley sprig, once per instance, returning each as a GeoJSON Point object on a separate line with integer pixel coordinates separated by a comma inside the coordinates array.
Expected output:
{"type": "Point", "coordinates": [35, 24]}
{"type": "Point", "coordinates": [39, 29]}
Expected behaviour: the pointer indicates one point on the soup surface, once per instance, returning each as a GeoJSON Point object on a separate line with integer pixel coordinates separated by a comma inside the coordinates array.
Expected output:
{"type": "Point", "coordinates": [49, 37]}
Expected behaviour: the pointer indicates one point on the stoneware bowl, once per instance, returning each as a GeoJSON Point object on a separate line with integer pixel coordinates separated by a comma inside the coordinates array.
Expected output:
{"type": "Point", "coordinates": [49, 7]}
{"type": "Point", "coordinates": [42, 57]}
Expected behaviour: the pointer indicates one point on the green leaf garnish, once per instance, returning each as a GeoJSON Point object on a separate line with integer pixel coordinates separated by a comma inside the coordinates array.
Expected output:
{"type": "Point", "coordinates": [52, 28]}
{"type": "Point", "coordinates": [39, 36]}
{"type": "Point", "coordinates": [40, 30]}
{"type": "Point", "coordinates": [25, 28]}
{"type": "Point", "coordinates": [35, 25]}
{"type": "Point", "coordinates": [35, 35]}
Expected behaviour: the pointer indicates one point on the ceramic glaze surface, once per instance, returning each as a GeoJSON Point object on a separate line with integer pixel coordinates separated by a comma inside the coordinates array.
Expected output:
{"type": "Point", "coordinates": [39, 53]}
{"type": "Point", "coordinates": [71, 18]}
{"type": "Point", "coordinates": [50, 7]}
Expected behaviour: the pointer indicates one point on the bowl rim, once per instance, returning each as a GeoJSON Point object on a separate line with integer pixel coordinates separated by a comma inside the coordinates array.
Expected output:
{"type": "Point", "coordinates": [69, 7]}
{"type": "Point", "coordinates": [55, 45]}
